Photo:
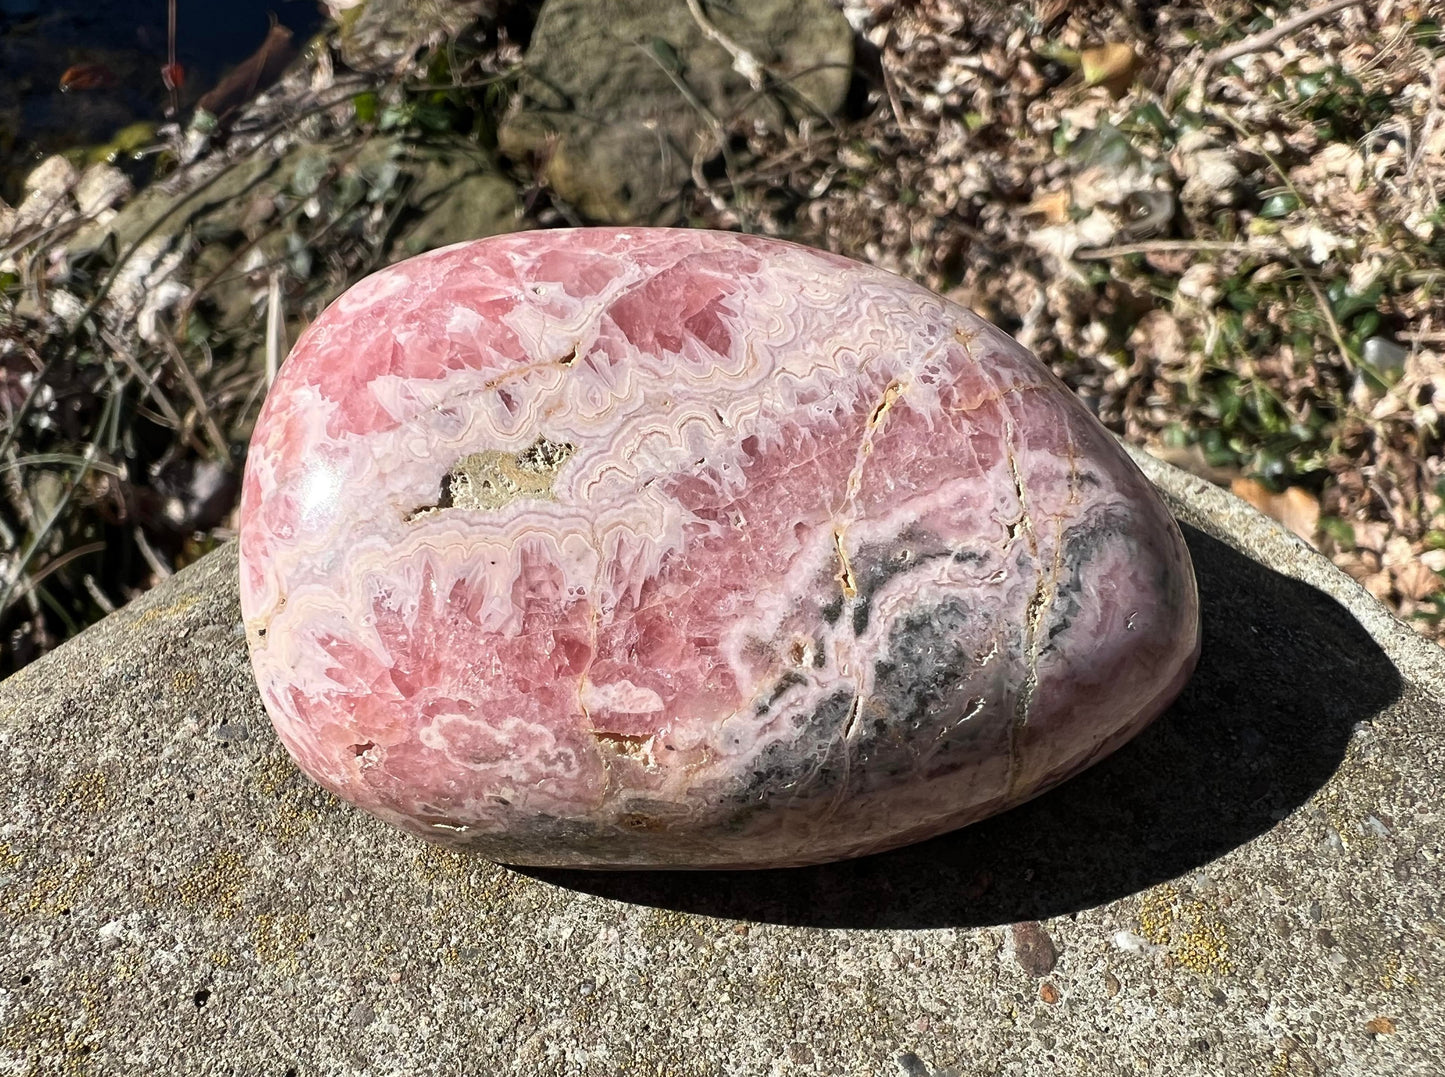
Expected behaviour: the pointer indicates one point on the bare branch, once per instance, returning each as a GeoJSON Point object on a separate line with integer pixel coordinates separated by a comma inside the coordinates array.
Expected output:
{"type": "Point", "coordinates": [1263, 40]}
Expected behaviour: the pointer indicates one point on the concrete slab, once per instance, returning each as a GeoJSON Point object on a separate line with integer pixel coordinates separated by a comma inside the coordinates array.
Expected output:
{"type": "Point", "coordinates": [1251, 887]}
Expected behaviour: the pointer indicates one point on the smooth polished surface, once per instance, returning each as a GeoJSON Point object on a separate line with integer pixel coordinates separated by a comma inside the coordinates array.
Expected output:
{"type": "Point", "coordinates": [654, 547]}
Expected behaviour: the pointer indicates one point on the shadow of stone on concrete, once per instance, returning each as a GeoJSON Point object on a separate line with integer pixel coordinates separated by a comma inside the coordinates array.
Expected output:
{"type": "Point", "coordinates": [170, 883]}
{"type": "Point", "coordinates": [1285, 674]}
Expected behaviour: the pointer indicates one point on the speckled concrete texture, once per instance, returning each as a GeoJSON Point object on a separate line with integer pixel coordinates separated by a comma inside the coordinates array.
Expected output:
{"type": "Point", "coordinates": [1250, 887]}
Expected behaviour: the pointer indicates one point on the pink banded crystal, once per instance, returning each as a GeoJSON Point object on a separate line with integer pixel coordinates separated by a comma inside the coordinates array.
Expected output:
{"type": "Point", "coordinates": [652, 547]}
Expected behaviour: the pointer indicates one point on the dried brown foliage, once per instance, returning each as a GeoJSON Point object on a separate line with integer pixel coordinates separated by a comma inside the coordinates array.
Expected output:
{"type": "Point", "coordinates": [1235, 255]}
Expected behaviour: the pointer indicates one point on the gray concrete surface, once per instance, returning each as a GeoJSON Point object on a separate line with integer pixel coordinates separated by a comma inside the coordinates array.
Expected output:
{"type": "Point", "coordinates": [1252, 887]}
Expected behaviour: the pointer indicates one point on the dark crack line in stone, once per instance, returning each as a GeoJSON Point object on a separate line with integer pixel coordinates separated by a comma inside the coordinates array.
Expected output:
{"type": "Point", "coordinates": [845, 575]}
{"type": "Point", "coordinates": [1025, 521]}
{"type": "Point", "coordinates": [1040, 601]}
{"type": "Point", "coordinates": [891, 393]}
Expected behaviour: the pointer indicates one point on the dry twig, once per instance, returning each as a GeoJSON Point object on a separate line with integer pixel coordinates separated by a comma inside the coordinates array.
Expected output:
{"type": "Point", "coordinates": [275, 328]}
{"type": "Point", "coordinates": [1265, 38]}
{"type": "Point", "coordinates": [198, 399]}
{"type": "Point", "coordinates": [744, 62]}
{"type": "Point", "coordinates": [1164, 246]}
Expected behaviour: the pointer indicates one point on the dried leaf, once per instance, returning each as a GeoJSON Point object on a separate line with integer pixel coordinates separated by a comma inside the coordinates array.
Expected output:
{"type": "Point", "coordinates": [1054, 206]}
{"type": "Point", "coordinates": [1296, 508]}
{"type": "Point", "coordinates": [1416, 581]}
{"type": "Point", "coordinates": [1158, 338]}
{"type": "Point", "coordinates": [1191, 458]}
{"type": "Point", "coordinates": [1398, 552]}
{"type": "Point", "coordinates": [1048, 12]}
{"type": "Point", "coordinates": [1062, 240]}
{"type": "Point", "coordinates": [1378, 584]}
{"type": "Point", "coordinates": [1111, 65]}
{"type": "Point", "coordinates": [1371, 534]}
{"type": "Point", "coordinates": [253, 75]}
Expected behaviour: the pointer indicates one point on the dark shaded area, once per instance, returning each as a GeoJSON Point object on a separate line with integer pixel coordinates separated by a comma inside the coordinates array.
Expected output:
{"type": "Point", "coordinates": [255, 74]}
{"type": "Point", "coordinates": [124, 43]}
{"type": "Point", "coordinates": [1284, 675]}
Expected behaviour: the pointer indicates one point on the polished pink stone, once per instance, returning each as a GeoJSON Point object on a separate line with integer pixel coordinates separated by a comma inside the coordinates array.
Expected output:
{"type": "Point", "coordinates": [650, 547]}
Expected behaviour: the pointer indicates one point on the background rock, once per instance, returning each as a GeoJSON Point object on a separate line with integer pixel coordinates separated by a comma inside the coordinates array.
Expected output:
{"type": "Point", "coordinates": [618, 96]}
{"type": "Point", "coordinates": [457, 196]}
{"type": "Point", "coordinates": [380, 35]}
{"type": "Point", "coordinates": [1251, 886]}
{"type": "Point", "coordinates": [162, 211]}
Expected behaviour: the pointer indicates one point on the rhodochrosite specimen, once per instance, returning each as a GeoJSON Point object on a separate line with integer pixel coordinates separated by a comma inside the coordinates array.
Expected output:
{"type": "Point", "coordinates": [659, 547]}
